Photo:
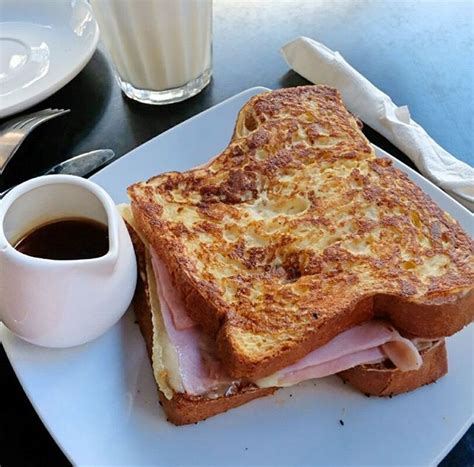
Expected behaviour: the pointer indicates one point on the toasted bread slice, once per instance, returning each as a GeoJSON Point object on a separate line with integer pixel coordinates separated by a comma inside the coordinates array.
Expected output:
{"type": "Point", "coordinates": [296, 232]}
{"type": "Point", "coordinates": [183, 409]}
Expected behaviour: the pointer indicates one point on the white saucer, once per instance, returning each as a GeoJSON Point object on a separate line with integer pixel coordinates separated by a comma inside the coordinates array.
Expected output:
{"type": "Point", "coordinates": [43, 45]}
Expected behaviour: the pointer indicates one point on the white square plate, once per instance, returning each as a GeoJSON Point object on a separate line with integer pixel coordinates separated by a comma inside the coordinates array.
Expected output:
{"type": "Point", "coordinates": [100, 404]}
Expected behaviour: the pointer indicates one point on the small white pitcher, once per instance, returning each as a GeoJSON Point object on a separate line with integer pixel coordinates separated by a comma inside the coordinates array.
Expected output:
{"type": "Point", "coordinates": [69, 302]}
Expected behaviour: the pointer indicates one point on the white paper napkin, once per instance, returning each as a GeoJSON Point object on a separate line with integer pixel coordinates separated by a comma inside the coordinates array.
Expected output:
{"type": "Point", "coordinates": [321, 65]}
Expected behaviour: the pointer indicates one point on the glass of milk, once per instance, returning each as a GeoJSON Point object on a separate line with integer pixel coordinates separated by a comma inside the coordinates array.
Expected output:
{"type": "Point", "coordinates": [161, 49]}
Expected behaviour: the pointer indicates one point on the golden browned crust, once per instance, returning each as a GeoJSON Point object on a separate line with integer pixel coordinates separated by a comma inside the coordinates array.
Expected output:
{"type": "Point", "coordinates": [295, 229]}
{"type": "Point", "coordinates": [438, 317]}
{"type": "Point", "coordinates": [376, 380]}
{"type": "Point", "coordinates": [182, 409]}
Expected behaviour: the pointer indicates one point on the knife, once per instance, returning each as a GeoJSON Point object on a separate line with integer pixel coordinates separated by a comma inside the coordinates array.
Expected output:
{"type": "Point", "coordinates": [80, 165]}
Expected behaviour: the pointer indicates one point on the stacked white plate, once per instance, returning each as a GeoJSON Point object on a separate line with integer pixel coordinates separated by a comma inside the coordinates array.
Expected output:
{"type": "Point", "coordinates": [43, 45]}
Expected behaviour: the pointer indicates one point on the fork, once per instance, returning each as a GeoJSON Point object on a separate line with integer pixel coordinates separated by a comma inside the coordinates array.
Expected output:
{"type": "Point", "coordinates": [13, 132]}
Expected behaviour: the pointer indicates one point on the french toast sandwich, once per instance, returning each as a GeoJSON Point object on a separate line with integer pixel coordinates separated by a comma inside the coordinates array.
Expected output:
{"type": "Point", "coordinates": [293, 235]}
{"type": "Point", "coordinates": [181, 407]}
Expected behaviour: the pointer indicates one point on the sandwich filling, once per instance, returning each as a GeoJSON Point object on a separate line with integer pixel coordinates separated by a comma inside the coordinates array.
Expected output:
{"type": "Point", "coordinates": [200, 372]}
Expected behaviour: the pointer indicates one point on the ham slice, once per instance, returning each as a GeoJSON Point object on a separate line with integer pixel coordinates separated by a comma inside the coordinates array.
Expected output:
{"type": "Point", "coordinates": [403, 353]}
{"type": "Point", "coordinates": [365, 336]}
{"type": "Point", "coordinates": [201, 372]}
{"type": "Point", "coordinates": [331, 367]}
{"type": "Point", "coordinates": [180, 316]}
{"type": "Point", "coordinates": [371, 342]}
{"type": "Point", "coordinates": [188, 342]}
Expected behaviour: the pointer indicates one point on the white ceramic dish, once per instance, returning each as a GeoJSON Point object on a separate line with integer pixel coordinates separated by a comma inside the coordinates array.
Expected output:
{"type": "Point", "coordinates": [100, 404]}
{"type": "Point", "coordinates": [44, 44]}
{"type": "Point", "coordinates": [42, 299]}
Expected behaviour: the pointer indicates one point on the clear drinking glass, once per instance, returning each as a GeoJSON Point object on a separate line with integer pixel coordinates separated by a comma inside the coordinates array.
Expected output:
{"type": "Point", "coordinates": [161, 49]}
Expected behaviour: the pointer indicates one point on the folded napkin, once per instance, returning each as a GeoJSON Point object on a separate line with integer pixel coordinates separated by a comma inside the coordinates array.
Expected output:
{"type": "Point", "coordinates": [321, 65]}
